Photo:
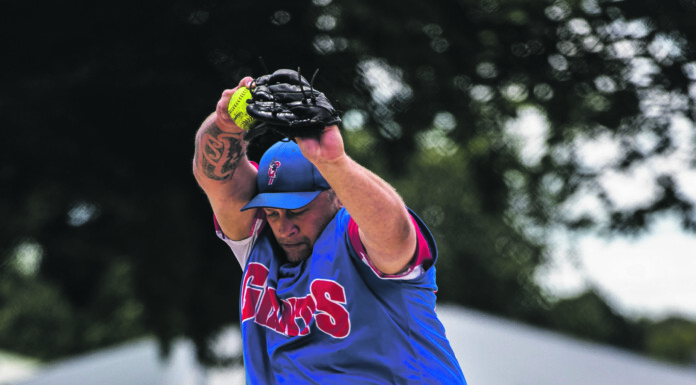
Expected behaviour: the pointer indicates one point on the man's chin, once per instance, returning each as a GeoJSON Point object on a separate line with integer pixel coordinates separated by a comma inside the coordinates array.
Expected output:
{"type": "Point", "coordinates": [296, 254]}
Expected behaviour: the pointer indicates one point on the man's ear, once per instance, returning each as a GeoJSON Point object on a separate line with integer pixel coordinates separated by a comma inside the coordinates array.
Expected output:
{"type": "Point", "coordinates": [334, 199]}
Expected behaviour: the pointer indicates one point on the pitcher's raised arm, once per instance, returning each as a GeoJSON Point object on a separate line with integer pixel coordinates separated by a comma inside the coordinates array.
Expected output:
{"type": "Point", "coordinates": [385, 226]}
{"type": "Point", "coordinates": [222, 169]}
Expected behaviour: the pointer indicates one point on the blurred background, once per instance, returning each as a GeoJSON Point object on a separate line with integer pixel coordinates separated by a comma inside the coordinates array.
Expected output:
{"type": "Point", "coordinates": [548, 144]}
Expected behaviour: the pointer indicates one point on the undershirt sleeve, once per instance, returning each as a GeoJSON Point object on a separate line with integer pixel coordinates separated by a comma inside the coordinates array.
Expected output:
{"type": "Point", "coordinates": [242, 248]}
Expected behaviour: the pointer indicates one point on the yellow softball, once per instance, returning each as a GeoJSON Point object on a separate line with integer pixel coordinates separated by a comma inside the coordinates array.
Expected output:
{"type": "Point", "coordinates": [237, 108]}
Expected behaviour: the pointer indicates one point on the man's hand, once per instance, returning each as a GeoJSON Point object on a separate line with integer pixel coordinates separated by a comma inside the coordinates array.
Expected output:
{"type": "Point", "coordinates": [325, 147]}
{"type": "Point", "coordinates": [222, 118]}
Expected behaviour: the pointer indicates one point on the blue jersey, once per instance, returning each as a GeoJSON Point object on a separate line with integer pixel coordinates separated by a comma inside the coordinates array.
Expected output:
{"type": "Point", "coordinates": [333, 319]}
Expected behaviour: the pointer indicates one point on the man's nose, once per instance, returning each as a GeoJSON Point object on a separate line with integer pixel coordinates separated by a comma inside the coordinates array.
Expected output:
{"type": "Point", "coordinates": [286, 226]}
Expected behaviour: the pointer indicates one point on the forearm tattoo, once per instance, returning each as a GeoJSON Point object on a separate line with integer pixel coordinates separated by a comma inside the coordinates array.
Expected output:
{"type": "Point", "coordinates": [218, 153]}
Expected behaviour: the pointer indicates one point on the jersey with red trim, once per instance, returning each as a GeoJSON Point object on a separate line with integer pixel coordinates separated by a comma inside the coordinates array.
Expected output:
{"type": "Point", "coordinates": [331, 319]}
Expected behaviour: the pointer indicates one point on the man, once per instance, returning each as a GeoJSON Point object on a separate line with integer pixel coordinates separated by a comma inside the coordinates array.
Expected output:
{"type": "Point", "coordinates": [339, 284]}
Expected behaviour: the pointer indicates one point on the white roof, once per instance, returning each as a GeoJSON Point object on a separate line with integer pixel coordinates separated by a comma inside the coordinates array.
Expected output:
{"type": "Point", "coordinates": [496, 351]}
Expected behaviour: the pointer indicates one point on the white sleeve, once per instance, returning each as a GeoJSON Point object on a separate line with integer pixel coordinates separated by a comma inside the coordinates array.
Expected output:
{"type": "Point", "coordinates": [242, 249]}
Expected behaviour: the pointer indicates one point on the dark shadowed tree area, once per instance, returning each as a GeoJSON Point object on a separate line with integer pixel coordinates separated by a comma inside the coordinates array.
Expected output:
{"type": "Point", "coordinates": [106, 237]}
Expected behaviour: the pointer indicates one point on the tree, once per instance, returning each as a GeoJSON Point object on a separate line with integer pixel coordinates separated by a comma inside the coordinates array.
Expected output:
{"type": "Point", "coordinates": [672, 339]}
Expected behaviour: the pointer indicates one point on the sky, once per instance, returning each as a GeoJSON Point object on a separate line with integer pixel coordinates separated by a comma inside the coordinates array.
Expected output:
{"type": "Point", "coordinates": [652, 275]}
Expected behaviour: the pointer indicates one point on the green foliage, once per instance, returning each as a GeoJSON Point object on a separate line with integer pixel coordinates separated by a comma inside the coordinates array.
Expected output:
{"type": "Point", "coordinates": [98, 128]}
{"type": "Point", "coordinates": [588, 316]}
{"type": "Point", "coordinates": [673, 339]}
{"type": "Point", "coordinates": [30, 308]}
{"type": "Point", "coordinates": [37, 320]}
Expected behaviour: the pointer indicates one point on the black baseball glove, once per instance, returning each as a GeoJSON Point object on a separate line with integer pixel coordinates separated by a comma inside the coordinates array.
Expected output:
{"type": "Point", "coordinates": [285, 102]}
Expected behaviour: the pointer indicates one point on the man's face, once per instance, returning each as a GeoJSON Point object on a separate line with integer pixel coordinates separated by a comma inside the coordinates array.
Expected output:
{"type": "Point", "coordinates": [297, 230]}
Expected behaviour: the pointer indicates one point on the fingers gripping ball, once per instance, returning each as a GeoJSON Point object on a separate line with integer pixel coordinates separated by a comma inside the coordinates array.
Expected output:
{"type": "Point", "coordinates": [237, 108]}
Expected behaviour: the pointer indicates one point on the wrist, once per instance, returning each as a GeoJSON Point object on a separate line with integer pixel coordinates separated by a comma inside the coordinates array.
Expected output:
{"type": "Point", "coordinates": [334, 165]}
{"type": "Point", "coordinates": [225, 123]}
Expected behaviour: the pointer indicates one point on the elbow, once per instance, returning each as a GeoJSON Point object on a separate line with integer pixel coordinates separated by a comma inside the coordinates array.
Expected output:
{"type": "Point", "coordinates": [395, 253]}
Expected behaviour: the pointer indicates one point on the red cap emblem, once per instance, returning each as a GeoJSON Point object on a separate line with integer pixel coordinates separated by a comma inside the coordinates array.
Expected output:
{"type": "Point", "coordinates": [272, 170]}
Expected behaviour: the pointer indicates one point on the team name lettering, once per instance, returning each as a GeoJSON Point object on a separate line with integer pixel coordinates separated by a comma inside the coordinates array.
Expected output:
{"type": "Point", "coordinates": [325, 304]}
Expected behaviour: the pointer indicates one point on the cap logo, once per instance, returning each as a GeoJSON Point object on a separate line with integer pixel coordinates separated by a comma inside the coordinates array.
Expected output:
{"type": "Point", "coordinates": [272, 170]}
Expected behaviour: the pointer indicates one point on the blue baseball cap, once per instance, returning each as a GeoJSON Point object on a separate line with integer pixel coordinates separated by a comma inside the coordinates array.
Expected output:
{"type": "Point", "coordinates": [286, 179]}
